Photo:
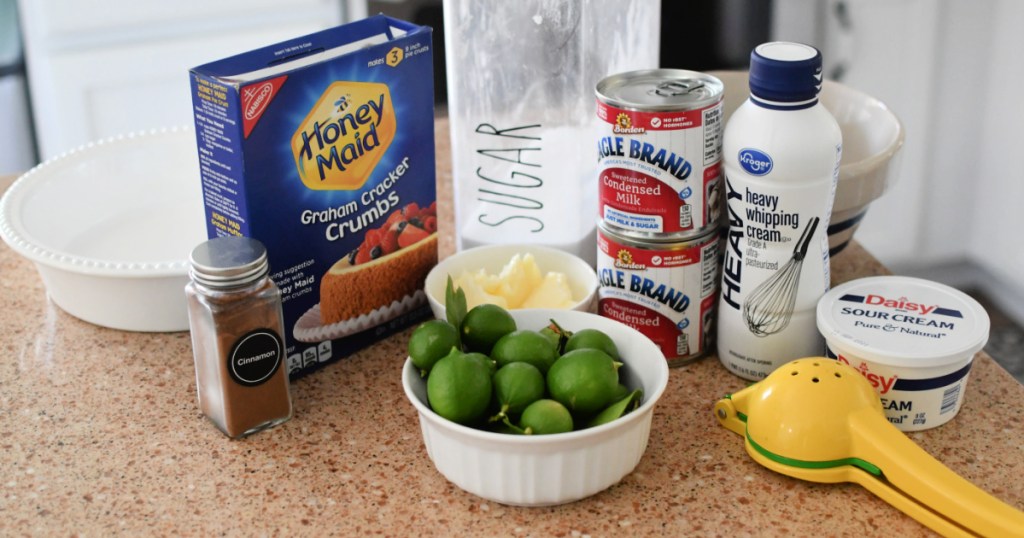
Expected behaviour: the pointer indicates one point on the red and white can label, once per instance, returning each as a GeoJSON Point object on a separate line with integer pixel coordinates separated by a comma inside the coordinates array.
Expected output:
{"type": "Point", "coordinates": [660, 172]}
{"type": "Point", "coordinates": [666, 291]}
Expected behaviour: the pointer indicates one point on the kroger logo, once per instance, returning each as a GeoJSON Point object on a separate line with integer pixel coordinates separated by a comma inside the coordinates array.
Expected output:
{"type": "Point", "coordinates": [755, 161]}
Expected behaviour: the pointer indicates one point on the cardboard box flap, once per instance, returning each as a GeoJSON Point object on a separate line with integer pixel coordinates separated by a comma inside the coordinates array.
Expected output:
{"type": "Point", "coordinates": [307, 50]}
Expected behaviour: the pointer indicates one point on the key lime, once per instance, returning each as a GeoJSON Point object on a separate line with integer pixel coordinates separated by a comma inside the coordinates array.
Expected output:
{"type": "Point", "coordinates": [592, 339]}
{"type": "Point", "coordinates": [545, 417]}
{"type": "Point", "coordinates": [485, 360]}
{"type": "Point", "coordinates": [517, 385]}
{"type": "Point", "coordinates": [584, 380]}
{"type": "Point", "coordinates": [550, 334]}
{"type": "Point", "coordinates": [525, 346]}
{"type": "Point", "coordinates": [430, 342]}
{"type": "Point", "coordinates": [484, 325]}
{"type": "Point", "coordinates": [459, 388]}
{"type": "Point", "coordinates": [620, 392]}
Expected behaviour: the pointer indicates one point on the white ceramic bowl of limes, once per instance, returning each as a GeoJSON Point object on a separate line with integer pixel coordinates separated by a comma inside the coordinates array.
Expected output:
{"type": "Point", "coordinates": [542, 470]}
{"type": "Point", "coordinates": [579, 274]}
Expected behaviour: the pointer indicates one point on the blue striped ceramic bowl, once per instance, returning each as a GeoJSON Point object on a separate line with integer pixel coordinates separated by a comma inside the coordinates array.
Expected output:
{"type": "Point", "coordinates": [872, 139]}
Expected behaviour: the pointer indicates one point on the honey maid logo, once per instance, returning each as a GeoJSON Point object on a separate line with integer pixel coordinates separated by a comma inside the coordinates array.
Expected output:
{"type": "Point", "coordinates": [344, 136]}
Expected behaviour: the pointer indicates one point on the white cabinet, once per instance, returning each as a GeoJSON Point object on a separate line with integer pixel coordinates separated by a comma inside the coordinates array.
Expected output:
{"type": "Point", "coordinates": [994, 170]}
{"type": "Point", "coordinates": [101, 68]}
{"type": "Point", "coordinates": [952, 72]}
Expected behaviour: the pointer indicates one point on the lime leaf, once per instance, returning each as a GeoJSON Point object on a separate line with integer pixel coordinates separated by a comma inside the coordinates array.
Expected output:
{"type": "Point", "coordinates": [619, 408]}
{"type": "Point", "coordinates": [454, 303]}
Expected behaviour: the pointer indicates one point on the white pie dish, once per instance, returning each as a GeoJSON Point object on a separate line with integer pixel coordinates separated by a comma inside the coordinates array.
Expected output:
{"type": "Point", "coordinates": [110, 225]}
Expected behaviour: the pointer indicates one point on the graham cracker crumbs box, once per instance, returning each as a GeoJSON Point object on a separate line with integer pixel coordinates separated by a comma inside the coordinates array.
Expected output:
{"type": "Point", "coordinates": [322, 147]}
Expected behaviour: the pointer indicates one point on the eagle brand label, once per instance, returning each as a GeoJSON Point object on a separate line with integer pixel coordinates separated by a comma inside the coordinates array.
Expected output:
{"type": "Point", "coordinates": [659, 170]}
{"type": "Point", "coordinates": [667, 291]}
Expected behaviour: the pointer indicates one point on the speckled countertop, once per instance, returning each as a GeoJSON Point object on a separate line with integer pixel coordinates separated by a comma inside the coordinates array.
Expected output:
{"type": "Point", "coordinates": [100, 434]}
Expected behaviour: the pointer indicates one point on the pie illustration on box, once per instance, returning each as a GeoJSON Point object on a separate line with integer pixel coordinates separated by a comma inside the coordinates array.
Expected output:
{"type": "Point", "coordinates": [391, 263]}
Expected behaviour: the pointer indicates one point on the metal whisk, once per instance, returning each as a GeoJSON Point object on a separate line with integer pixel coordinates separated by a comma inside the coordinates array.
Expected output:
{"type": "Point", "coordinates": [769, 307]}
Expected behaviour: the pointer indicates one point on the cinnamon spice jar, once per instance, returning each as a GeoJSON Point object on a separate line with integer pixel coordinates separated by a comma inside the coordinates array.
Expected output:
{"type": "Point", "coordinates": [237, 337]}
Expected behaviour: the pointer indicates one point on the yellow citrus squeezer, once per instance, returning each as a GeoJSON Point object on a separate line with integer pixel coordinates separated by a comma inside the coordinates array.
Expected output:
{"type": "Point", "coordinates": [819, 420]}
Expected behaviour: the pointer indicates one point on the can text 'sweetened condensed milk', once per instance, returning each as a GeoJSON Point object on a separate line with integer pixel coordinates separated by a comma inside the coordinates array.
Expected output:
{"type": "Point", "coordinates": [913, 339]}
{"type": "Point", "coordinates": [665, 290]}
{"type": "Point", "coordinates": [659, 156]}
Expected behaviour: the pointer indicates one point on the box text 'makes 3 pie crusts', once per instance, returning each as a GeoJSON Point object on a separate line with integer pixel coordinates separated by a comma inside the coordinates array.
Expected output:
{"type": "Point", "coordinates": [322, 148]}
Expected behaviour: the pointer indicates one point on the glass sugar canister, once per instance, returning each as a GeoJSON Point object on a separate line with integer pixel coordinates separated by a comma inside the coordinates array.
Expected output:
{"type": "Point", "coordinates": [237, 329]}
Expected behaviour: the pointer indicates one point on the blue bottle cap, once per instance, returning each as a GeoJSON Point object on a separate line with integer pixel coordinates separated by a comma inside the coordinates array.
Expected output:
{"type": "Point", "coordinates": [785, 75]}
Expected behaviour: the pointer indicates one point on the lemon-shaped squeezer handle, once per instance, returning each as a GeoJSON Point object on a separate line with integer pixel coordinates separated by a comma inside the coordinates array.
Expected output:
{"type": "Point", "coordinates": [907, 467]}
{"type": "Point", "coordinates": [819, 420]}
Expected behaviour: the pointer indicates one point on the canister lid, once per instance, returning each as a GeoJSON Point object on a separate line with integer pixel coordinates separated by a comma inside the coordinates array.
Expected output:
{"type": "Point", "coordinates": [903, 321]}
{"type": "Point", "coordinates": [660, 90]}
{"type": "Point", "coordinates": [228, 262]}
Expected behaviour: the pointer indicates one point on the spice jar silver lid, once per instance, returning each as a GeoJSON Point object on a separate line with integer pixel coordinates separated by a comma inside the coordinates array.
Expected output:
{"type": "Point", "coordinates": [228, 262]}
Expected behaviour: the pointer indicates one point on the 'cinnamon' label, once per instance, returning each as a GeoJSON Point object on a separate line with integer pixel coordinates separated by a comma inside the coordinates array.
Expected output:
{"type": "Point", "coordinates": [255, 357]}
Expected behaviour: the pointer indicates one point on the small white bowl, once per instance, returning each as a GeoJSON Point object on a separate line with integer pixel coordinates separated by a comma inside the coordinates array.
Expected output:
{"type": "Point", "coordinates": [541, 470]}
{"type": "Point", "coordinates": [109, 227]}
{"type": "Point", "coordinates": [491, 258]}
{"type": "Point", "coordinates": [872, 139]}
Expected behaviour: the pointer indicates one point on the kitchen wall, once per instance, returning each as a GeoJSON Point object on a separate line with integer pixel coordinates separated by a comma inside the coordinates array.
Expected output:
{"type": "Point", "coordinates": [996, 219]}
{"type": "Point", "coordinates": [17, 152]}
{"type": "Point", "coordinates": [99, 68]}
{"type": "Point", "coordinates": [951, 70]}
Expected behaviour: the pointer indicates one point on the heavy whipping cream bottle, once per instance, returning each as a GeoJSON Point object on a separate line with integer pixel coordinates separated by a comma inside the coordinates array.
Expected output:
{"type": "Point", "coordinates": [781, 156]}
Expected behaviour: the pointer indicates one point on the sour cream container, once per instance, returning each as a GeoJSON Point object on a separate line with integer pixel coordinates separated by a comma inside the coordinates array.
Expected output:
{"type": "Point", "coordinates": [913, 339]}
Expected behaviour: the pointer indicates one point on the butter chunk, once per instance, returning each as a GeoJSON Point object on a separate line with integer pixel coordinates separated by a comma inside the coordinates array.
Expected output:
{"type": "Point", "coordinates": [520, 284]}
{"type": "Point", "coordinates": [480, 288]}
{"type": "Point", "coordinates": [518, 279]}
{"type": "Point", "coordinates": [553, 292]}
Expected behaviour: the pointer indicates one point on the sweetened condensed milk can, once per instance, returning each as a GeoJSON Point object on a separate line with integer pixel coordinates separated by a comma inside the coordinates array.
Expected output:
{"type": "Point", "coordinates": [659, 153]}
{"type": "Point", "coordinates": [666, 290]}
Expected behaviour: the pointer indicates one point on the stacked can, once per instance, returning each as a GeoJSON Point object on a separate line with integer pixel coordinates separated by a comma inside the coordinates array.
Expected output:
{"type": "Point", "coordinates": [660, 206]}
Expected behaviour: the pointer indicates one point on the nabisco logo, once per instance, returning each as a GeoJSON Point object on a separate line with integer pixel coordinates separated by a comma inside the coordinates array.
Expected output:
{"type": "Point", "coordinates": [881, 383]}
{"type": "Point", "coordinates": [255, 99]}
